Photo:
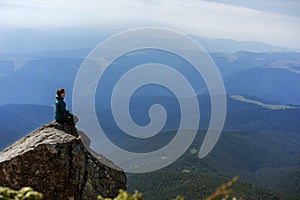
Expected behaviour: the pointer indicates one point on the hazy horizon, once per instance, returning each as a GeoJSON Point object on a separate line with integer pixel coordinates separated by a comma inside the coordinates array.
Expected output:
{"type": "Point", "coordinates": [30, 26]}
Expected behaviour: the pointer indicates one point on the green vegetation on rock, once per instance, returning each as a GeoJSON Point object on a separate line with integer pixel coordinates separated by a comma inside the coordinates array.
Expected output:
{"type": "Point", "coordinates": [223, 192]}
{"type": "Point", "coordinates": [25, 193]}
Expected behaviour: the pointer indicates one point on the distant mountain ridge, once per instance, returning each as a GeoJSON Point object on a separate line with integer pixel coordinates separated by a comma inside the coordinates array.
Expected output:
{"type": "Point", "coordinates": [232, 46]}
{"type": "Point", "coordinates": [24, 41]}
{"type": "Point", "coordinates": [272, 76]}
{"type": "Point", "coordinates": [241, 116]}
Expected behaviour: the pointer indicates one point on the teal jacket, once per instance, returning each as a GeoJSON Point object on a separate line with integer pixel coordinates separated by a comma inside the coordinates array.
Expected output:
{"type": "Point", "coordinates": [60, 109]}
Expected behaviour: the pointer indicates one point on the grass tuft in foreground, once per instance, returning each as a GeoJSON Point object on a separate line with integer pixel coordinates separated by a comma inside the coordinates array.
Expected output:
{"type": "Point", "coordinates": [25, 193]}
{"type": "Point", "coordinates": [223, 192]}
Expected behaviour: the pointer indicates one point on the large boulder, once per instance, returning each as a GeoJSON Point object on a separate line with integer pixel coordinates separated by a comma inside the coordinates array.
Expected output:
{"type": "Point", "coordinates": [54, 161]}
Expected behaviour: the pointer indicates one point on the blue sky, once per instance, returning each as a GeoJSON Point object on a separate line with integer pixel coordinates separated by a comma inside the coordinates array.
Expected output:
{"type": "Point", "coordinates": [275, 22]}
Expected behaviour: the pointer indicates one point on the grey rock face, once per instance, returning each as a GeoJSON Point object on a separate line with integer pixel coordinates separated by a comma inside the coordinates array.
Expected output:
{"type": "Point", "coordinates": [52, 160]}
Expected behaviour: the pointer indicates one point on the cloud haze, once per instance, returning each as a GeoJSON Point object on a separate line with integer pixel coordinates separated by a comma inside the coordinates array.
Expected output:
{"type": "Point", "coordinates": [213, 19]}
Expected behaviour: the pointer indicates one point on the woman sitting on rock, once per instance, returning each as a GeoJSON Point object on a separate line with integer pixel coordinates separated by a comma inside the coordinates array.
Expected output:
{"type": "Point", "coordinates": [62, 115]}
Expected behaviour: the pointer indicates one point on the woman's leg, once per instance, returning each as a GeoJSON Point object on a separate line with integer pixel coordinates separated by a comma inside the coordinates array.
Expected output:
{"type": "Point", "coordinates": [66, 120]}
{"type": "Point", "coordinates": [60, 121]}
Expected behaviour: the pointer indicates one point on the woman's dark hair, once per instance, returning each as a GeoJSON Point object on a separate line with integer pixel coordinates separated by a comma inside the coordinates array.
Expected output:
{"type": "Point", "coordinates": [60, 91]}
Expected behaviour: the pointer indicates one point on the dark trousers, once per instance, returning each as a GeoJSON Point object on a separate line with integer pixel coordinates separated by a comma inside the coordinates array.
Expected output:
{"type": "Point", "coordinates": [66, 120]}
